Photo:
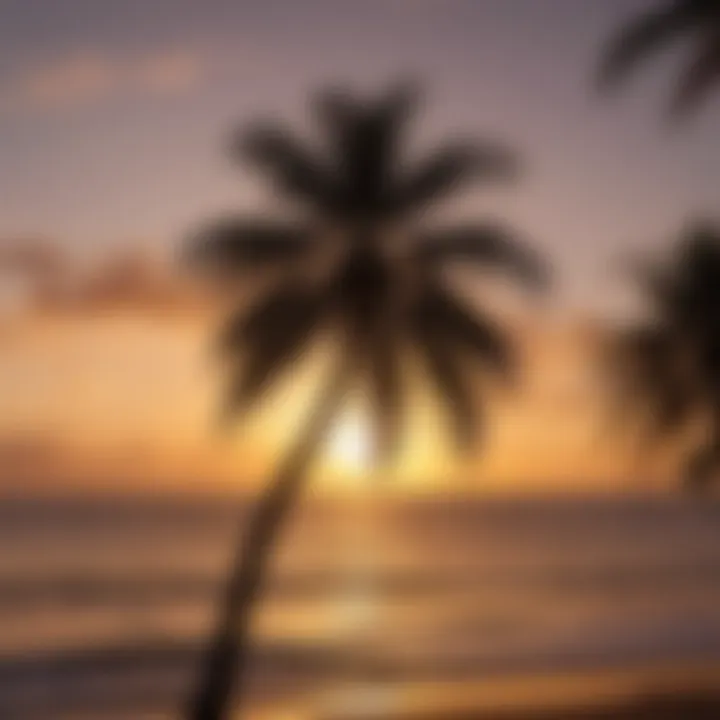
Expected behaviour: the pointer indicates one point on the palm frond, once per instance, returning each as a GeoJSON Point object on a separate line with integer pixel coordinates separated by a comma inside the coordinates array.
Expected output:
{"type": "Point", "coordinates": [366, 142]}
{"type": "Point", "coordinates": [671, 405]}
{"type": "Point", "coordinates": [698, 280]}
{"type": "Point", "coordinates": [488, 245]}
{"type": "Point", "coordinates": [340, 112]}
{"type": "Point", "coordinates": [445, 370]}
{"type": "Point", "coordinates": [385, 378]}
{"type": "Point", "coordinates": [702, 467]}
{"type": "Point", "coordinates": [657, 282]}
{"type": "Point", "coordinates": [647, 360]}
{"type": "Point", "coordinates": [700, 78]}
{"type": "Point", "coordinates": [294, 169]}
{"type": "Point", "coordinates": [361, 292]}
{"type": "Point", "coordinates": [447, 169]}
{"type": "Point", "coordinates": [363, 295]}
{"type": "Point", "coordinates": [282, 311]}
{"type": "Point", "coordinates": [366, 163]}
{"type": "Point", "coordinates": [400, 102]}
{"type": "Point", "coordinates": [235, 244]}
{"type": "Point", "coordinates": [700, 248]}
{"type": "Point", "coordinates": [267, 340]}
{"type": "Point", "coordinates": [337, 111]}
{"type": "Point", "coordinates": [641, 38]}
{"type": "Point", "coordinates": [464, 329]}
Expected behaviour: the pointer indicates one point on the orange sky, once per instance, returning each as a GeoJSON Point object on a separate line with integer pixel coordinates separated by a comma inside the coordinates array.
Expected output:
{"type": "Point", "coordinates": [114, 125]}
{"type": "Point", "coordinates": [113, 384]}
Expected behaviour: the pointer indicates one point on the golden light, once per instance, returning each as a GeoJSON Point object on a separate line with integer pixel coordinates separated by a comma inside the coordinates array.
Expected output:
{"type": "Point", "coordinates": [349, 447]}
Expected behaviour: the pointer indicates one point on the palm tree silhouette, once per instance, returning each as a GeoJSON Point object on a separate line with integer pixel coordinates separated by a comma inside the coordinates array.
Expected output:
{"type": "Point", "coordinates": [359, 268]}
{"type": "Point", "coordinates": [696, 20]}
{"type": "Point", "coordinates": [669, 367]}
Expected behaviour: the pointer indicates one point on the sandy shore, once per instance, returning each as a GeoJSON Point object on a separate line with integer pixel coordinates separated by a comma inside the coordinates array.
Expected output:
{"type": "Point", "coordinates": [665, 694]}
{"type": "Point", "coordinates": [679, 707]}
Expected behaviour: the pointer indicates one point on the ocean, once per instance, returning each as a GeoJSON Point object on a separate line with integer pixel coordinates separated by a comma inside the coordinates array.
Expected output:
{"type": "Point", "coordinates": [106, 603]}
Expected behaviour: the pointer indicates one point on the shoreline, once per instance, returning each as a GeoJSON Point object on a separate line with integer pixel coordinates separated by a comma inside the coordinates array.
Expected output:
{"type": "Point", "coordinates": [691, 692]}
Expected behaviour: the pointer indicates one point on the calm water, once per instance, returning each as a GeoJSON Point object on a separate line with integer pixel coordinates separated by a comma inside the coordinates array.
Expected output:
{"type": "Point", "coordinates": [103, 605]}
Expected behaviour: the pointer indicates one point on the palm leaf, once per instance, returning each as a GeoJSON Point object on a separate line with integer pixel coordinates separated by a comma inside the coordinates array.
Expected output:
{"type": "Point", "coordinates": [272, 336]}
{"type": "Point", "coordinates": [463, 329]}
{"type": "Point", "coordinates": [365, 139]}
{"type": "Point", "coordinates": [701, 467]}
{"type": "Point", "coordinates": [294, 169]}
{"type": "Point", "coordinates": [385, 377]}
{"type": "Point", "coordinates": [363, 295]}
{"type": "Point", "coordinates": [648, 359]}
{"type": "Point", "coordinates": [448, 168]}
{"type": "Point", "coordinates": [362, 291]}
{"type": "Point", "coordinates": [366, 163]}
{"type": "Point", "coordinates": [444, 368]}
{"type": "Point", "coordinates": [701, 244]}
{"type": "Point", "coordinates": [338, 111]}
{"type": "Point", "coordinates": [489, 245]}
{"type": "Point", "coordinates": [643, 37]}
{"type": "Point", "coordinates": [400, 102]}
{"type": "Point", "coordinates": [702, 75]}
{"type": "Point", "coordinates": [236, 244]}
{"type": "Point", "coordinates": [698, 281]}
{"type": "Point", "coordinates": [658, 282]}
{"type": "Point", "coordinates": [671, 404]}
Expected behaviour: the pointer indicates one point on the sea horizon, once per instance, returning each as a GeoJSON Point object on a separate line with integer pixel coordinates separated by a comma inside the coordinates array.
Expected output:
{"type": "Point", "coordinates": [108, 601]}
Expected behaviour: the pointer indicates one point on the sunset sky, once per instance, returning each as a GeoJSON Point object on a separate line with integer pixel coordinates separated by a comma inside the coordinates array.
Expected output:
{"type": "Point", "coordinates": [114, 120]}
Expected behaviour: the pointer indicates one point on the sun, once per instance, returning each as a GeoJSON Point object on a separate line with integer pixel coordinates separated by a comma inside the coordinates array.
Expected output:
{"type": "Point", "coordinates": [349, 445]}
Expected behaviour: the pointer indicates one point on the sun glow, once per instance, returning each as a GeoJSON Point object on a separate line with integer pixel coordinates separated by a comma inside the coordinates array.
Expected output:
{"type": "Point", "coordinates": [349, 445]}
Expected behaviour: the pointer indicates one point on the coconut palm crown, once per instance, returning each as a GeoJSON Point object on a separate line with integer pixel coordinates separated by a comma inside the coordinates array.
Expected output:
{"type": "Point", "coordinates": [670, 365]}
{"type": "Point", "coordinates": [358, 264]}
{"type": "Point", "coordinates": [382, 285]}
{"type": "Point", "coordinates": [697, 21]}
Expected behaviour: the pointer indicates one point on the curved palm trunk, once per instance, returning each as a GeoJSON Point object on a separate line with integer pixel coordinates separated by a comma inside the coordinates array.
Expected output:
{"type": "Point", "coordinates": [225, 666]}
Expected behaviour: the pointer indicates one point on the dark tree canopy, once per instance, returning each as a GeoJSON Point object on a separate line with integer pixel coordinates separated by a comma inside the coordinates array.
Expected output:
{"type": "Point", "coordinates": [669, 367]}
{"type": "Point", "coordinates": [697, 21]}
{"type": "Point", "coordinates": [383, 292]}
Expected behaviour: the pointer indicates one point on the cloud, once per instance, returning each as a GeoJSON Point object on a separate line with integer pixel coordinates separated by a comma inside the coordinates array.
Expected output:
{"type": "Point", "coordinates": [28, 451]}
{"type": "Point", "coordinates": [132, 283]}
{"type": "Point", "coordinates": [129, 282]}
{"type": "Point", "coordinates": [25, 265]}
{"type": "Point", "coordinates": [171, 72]}
{"type": "Point", "coordinates": [31, 257]}
{"type": "Point", "coordinates": [30, 460]}
{"type": "Point", "coordinates": [35, 462]}
{"type": "Point", "coordinates": [85, 76]}
{"type": "Point", "coordinates": [75, 79]}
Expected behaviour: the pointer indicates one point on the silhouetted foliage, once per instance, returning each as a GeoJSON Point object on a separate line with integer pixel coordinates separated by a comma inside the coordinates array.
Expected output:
{"type": "Point", "coordinates": [669, 367]}
{"type": "Point", "coordinates": [360, 189]}
{"type": "Point", "coordinates": [697, 21]}
{"type": "Point", "coordinates": [382, 293]}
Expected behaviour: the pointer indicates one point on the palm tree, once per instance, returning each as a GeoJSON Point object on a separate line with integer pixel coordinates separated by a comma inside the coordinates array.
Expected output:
{"type": "Point", "coordinates": [357, 267]}
{"type": "Point", "coordinates": [669, 366]}
{"type": "Point", "coordinates": [695, 20]}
